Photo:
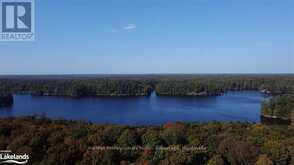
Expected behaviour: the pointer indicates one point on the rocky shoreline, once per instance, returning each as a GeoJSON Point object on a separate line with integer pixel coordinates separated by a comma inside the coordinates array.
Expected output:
{"type": "Point", "coordinates": [274, 120]}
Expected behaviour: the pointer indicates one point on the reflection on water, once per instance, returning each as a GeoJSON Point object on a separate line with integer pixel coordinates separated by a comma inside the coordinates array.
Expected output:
{"type": "Point", "coordinates": [233, 106]}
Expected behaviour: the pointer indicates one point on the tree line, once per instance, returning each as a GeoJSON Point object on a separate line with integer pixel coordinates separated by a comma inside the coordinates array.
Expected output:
{"type": "Point", "coordinates": [78, 88]}
{"type": "Point", "coordinates": [218, 84]}
{"type": "Point", "coordinates": [140, 85]}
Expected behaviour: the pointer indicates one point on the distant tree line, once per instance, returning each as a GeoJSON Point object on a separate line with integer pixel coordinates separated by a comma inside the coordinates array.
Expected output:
{"type": "Point", "coordinates": [167, 85]}
{"type": "Point", "coordinates": [66, 142]}
{"type": "Point", "coordinates": [218, 84]}
{"type": "Point", "coordinates": [78, 88]}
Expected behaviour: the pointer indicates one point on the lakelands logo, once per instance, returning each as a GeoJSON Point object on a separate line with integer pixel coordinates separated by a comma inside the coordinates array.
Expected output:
{"type": "Point", "coordinates": [8, 157]}
{"type": "Point", "coordinates": [17, 20]}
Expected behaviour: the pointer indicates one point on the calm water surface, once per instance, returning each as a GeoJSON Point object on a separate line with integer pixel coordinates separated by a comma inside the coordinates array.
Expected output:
{"type": "Point", "coordinates": [233, 106]}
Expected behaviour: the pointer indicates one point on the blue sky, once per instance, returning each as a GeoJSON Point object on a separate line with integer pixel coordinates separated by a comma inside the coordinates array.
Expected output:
{"type": "Point", "coordinates": [156, 36]}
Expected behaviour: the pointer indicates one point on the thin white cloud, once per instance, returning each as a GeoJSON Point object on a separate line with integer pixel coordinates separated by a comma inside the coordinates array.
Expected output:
{"type": "Point", "coordinates": [130, 27]}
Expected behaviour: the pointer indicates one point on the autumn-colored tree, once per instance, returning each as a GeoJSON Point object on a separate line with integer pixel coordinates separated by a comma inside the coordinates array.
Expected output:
{"type": "Point", "coordinates": [238, 152]}
{"type": "Point", "coordinates": [263, 160]}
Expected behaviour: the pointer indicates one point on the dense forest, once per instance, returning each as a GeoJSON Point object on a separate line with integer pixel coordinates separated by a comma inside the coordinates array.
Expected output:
{"type": "Point", "coordinates": [66, 142]}
{"type": "Point", "coordinates": [143, 85]}
{"type": "Point", "coordinates": [280, 107]}
{"type": "Point", "coordinates": [78, 88]}
{"type": "Point", "coordinates": [218, 84]}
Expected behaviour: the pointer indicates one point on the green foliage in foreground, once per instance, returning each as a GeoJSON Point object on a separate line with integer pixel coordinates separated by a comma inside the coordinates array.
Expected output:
{"type": "Point", "coordinates": [215, 143]}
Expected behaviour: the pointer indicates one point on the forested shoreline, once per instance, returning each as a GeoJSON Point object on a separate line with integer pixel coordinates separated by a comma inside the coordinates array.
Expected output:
{"type": "Point", "coordinates": [6, 99]}
{"type": "Point", "coordinates": [78, 88]}
{"type": "Point", "coordinates": [280, 107]}
{"type": "Point", "coordinates": [278, 86]}
{"type": "Point", "coordinates": [143, 85]}
{"type": "Point", "coordinates": [218, 84]}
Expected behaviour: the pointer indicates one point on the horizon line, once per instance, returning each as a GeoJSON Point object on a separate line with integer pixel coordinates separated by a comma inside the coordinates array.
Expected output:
{"type": "Point", "coordinates": [77, 74]}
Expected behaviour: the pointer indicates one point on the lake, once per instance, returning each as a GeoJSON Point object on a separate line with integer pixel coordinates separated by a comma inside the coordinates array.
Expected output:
{"type": "Point", "coordinates": [149, 110]}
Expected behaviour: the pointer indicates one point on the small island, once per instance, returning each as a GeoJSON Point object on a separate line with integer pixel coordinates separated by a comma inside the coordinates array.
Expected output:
{"type": "Point", "coordinates": [6, 99]}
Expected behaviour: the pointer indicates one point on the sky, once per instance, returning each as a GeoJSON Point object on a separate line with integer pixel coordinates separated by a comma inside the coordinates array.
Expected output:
{"type": "Point", "coordinates": [156, 36]}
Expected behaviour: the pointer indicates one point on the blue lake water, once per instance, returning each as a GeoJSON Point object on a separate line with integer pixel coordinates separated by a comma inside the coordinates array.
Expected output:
{"type": "Point", "coordinates": [149, 110]}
